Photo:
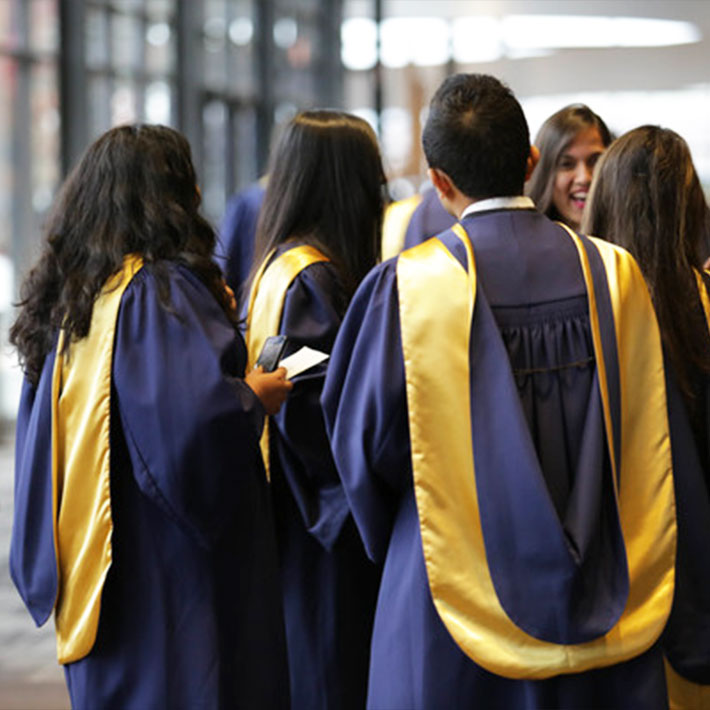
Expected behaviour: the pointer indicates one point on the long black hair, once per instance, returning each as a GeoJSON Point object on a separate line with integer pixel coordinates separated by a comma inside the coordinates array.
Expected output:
{"type": "Point", "coordinates": [647, 198]}
{"type": "Point", "coordinates": [133, 191]}
{"type": "Point", "coordinates": [326, 188]}
{"type": "Point", "coordinates": [554, 137]}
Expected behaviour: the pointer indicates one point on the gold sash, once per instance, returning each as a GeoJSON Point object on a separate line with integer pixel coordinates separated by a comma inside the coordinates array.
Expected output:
{"type": "Point", "coordinates": [395, 223]}
{"type": "Point", "coordinates": [704, 298]}
{"type": "Point", "coordinates": [266, 301]}
{"type": "Point", "coordinates": [684, 694]}
{"type": "Point", "coordinates": [81, 486]}
{"type": "Point", "coordinates": [435, 343]}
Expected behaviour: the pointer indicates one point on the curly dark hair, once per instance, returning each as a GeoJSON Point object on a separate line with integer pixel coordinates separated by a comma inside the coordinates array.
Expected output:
{"type": "Point", "coordinates": [133, 191]}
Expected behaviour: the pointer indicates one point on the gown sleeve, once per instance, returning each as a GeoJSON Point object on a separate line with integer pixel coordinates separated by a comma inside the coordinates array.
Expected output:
{"type": "Point", "coordinates": [312, 313]}
{"type": "Point", "coordinates": [33, 564]}
{"type": "Point", "coordinates": [235, 250]}
{"type": "Point", "coordinates": [191, 424]}
{"type": "Point", "coordinates": [364, 407]}
{"type": "Point", "coordinates": [685, 640]}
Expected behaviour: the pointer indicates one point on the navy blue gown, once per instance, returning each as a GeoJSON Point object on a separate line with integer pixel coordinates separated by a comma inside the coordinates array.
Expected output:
{"type": "Point", "coordinates": [329, 584]}
{"type": "Point", "coordinates": [529, 271]}
{"type": "Point", "coordinates": [235, 249]}
{"type": "Point", "coordinates": [686, 640]}
{"type": "Point", "coordinates": [190, 612]}
{"type": "Point", "coordinates": [427, 220]}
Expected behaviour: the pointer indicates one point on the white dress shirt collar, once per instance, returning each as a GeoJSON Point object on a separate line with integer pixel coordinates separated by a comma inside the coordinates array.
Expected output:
{"type": "Point", "coordinates": [519, 202]}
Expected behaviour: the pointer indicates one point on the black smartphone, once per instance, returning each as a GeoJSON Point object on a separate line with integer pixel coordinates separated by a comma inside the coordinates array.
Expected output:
{"type": "Point", "coordinates": [271, 353]}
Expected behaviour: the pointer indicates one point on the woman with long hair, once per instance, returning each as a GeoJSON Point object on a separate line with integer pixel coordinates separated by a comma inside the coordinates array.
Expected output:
{"type": "Point", "coordinates": [646, 197]}
{"type": "Point", "coordinates": [319, 233]}
{"type": "Point", "coordinates": [142, 517]}
{"type": "Point", "coordinates": [570, 143]}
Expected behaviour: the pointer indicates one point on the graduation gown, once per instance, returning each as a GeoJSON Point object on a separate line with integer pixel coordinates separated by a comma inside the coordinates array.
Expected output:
{"type": "Point", "coordinates": [329, 585]}
{"type": "Point", "coordinates": [686, 640]}
{"type": "Point", "coordinates": [411, 221]}
{"type": "Point", "coordinates": [188, 612]}
{"type": "Point", "coordinates": [428, 219]}
{"type": "Point", "coordinates": [530, 283]}
{"type": "Point", "coordinates": [235, 248]}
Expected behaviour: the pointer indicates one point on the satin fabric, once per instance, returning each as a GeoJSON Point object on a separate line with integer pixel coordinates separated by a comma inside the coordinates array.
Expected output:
{"type": "Point", "coordinates": [81, 399]}
{"type": "Point", "coordinates": [427, 220]}
{"type": "Point", "coordinates": [71, 520]}
{"type": "Point", "coordinates": [237, 232]}
{"type": "Point", "coordinates": [533, 557]}
{"type": "Point", "coordinates": [685, 641]}
{"type": "Point", "coordinates": [394, 224]}
{"type": "Point", "coordinates": [529, 271]}
{"type": "Point", "coordinates": [190, 611]}
{"type": "Point", "coordinates": [684, 694]}
{"type": "Point", "coordinates": [266, 300]}
{"type": "Point", "coordinates": [329, 585]}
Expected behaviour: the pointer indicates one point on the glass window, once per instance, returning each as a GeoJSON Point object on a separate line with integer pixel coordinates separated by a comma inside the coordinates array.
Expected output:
{"type": "Point", "coordinates": [44, 139]}
{"type": "Point", "coordinates": [10, 33]}
{"type": "Point", "coordinates": [159, 8]}
{"type": "Point", "coordinates": [213, 178]}
{"type": "Point", "coordinates": [43, 26]}
{"type": "Point", "coordinates": [159, 47]}
{"type": "Point", "coordinates": [97, 34]}
{"type": "Point", "coordinates": [241, 34]}
{"type": "Point", "coordinates": [215, 46]}
{"type": "Point", "coordinates": [126, 42]}
{"type": "Point", "coordinates": [29, 158]}
{"type": "Point", "coordinates": [245, 158]}
{"type": "Point", "coordinates": [131, 57]}
{"type": "Point", "coordinates": [8, 77]}
{"type": "Point", "coordinates": [99, 97]}
{"type": "Point", "coordinates": [124, 103]}
{"type": "Point", "coordinates": [128, 5]}
{"type": "Point", "coordinates": [158, 103]}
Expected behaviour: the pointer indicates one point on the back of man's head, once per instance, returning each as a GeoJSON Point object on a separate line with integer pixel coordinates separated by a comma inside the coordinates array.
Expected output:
{"type": "Point", "coordinates": [477, 134]}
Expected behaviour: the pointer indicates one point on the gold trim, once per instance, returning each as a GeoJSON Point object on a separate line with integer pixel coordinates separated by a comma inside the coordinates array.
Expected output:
{"type": "Point", "coordinates": [435, 343]}
{"type": "Point", "coordinates": [81, 483]}
{"type": "Point", "coordinates": [704, 297]}
{"type": "Point", "coordinates": [395, 223]}
{"type": "Point", "coordinates": [266, 301]}
{"type": "Point", "coordinates": [683, 694]}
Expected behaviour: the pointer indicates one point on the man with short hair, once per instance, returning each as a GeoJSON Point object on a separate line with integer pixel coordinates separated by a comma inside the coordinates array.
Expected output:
{"type": "Point", "coordinates": [496, 408]}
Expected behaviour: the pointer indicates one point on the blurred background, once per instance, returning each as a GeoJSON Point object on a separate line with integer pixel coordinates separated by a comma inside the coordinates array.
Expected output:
{"type": "Point", "coordinates": [227, 73]}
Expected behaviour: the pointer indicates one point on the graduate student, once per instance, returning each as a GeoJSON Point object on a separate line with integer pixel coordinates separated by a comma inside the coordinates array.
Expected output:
{"type": "Point", "coordinates": [570, 142]}
{"type": "Point", "coordinates": [495, 403]}
{"type": "Point", "coordinates": [412, 220]}
{"type": "Point", "coordinates": [237, 232]}
{"type": "Point", "coordinates": [318, 235]}
{"type": "Point", "coordinates": [142, 516]}
{"type": "Point", "coordinates": [646, 197]}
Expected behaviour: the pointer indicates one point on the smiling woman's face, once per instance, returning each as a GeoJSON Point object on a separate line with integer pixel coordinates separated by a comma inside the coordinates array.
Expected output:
{"type": "Point", "coordinates": [574, 175]}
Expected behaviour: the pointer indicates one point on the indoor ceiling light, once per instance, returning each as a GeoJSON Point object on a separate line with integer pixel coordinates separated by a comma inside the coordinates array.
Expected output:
{"type": "Point", "coordinates": [431, 41]}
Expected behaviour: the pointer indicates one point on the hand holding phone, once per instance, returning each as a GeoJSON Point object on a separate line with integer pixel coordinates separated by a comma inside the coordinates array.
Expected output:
{"type": "Point", "coordinates": [272, 352]}
{"type": "Point", "coordinates": [271, 388]}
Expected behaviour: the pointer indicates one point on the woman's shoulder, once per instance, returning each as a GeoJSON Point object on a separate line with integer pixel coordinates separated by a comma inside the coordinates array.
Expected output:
{"type": "Point", "coordinates": [174, 285]}
{"type": "Point", "coordinates": [174, 273]}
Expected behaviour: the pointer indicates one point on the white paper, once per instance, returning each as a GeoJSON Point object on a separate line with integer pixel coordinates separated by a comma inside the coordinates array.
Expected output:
{"type": "Point", "coordinates": [301, 360]}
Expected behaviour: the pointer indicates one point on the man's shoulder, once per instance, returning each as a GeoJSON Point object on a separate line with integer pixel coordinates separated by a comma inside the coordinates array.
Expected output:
{"type": "Point", "coordinates": [606, 247]}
